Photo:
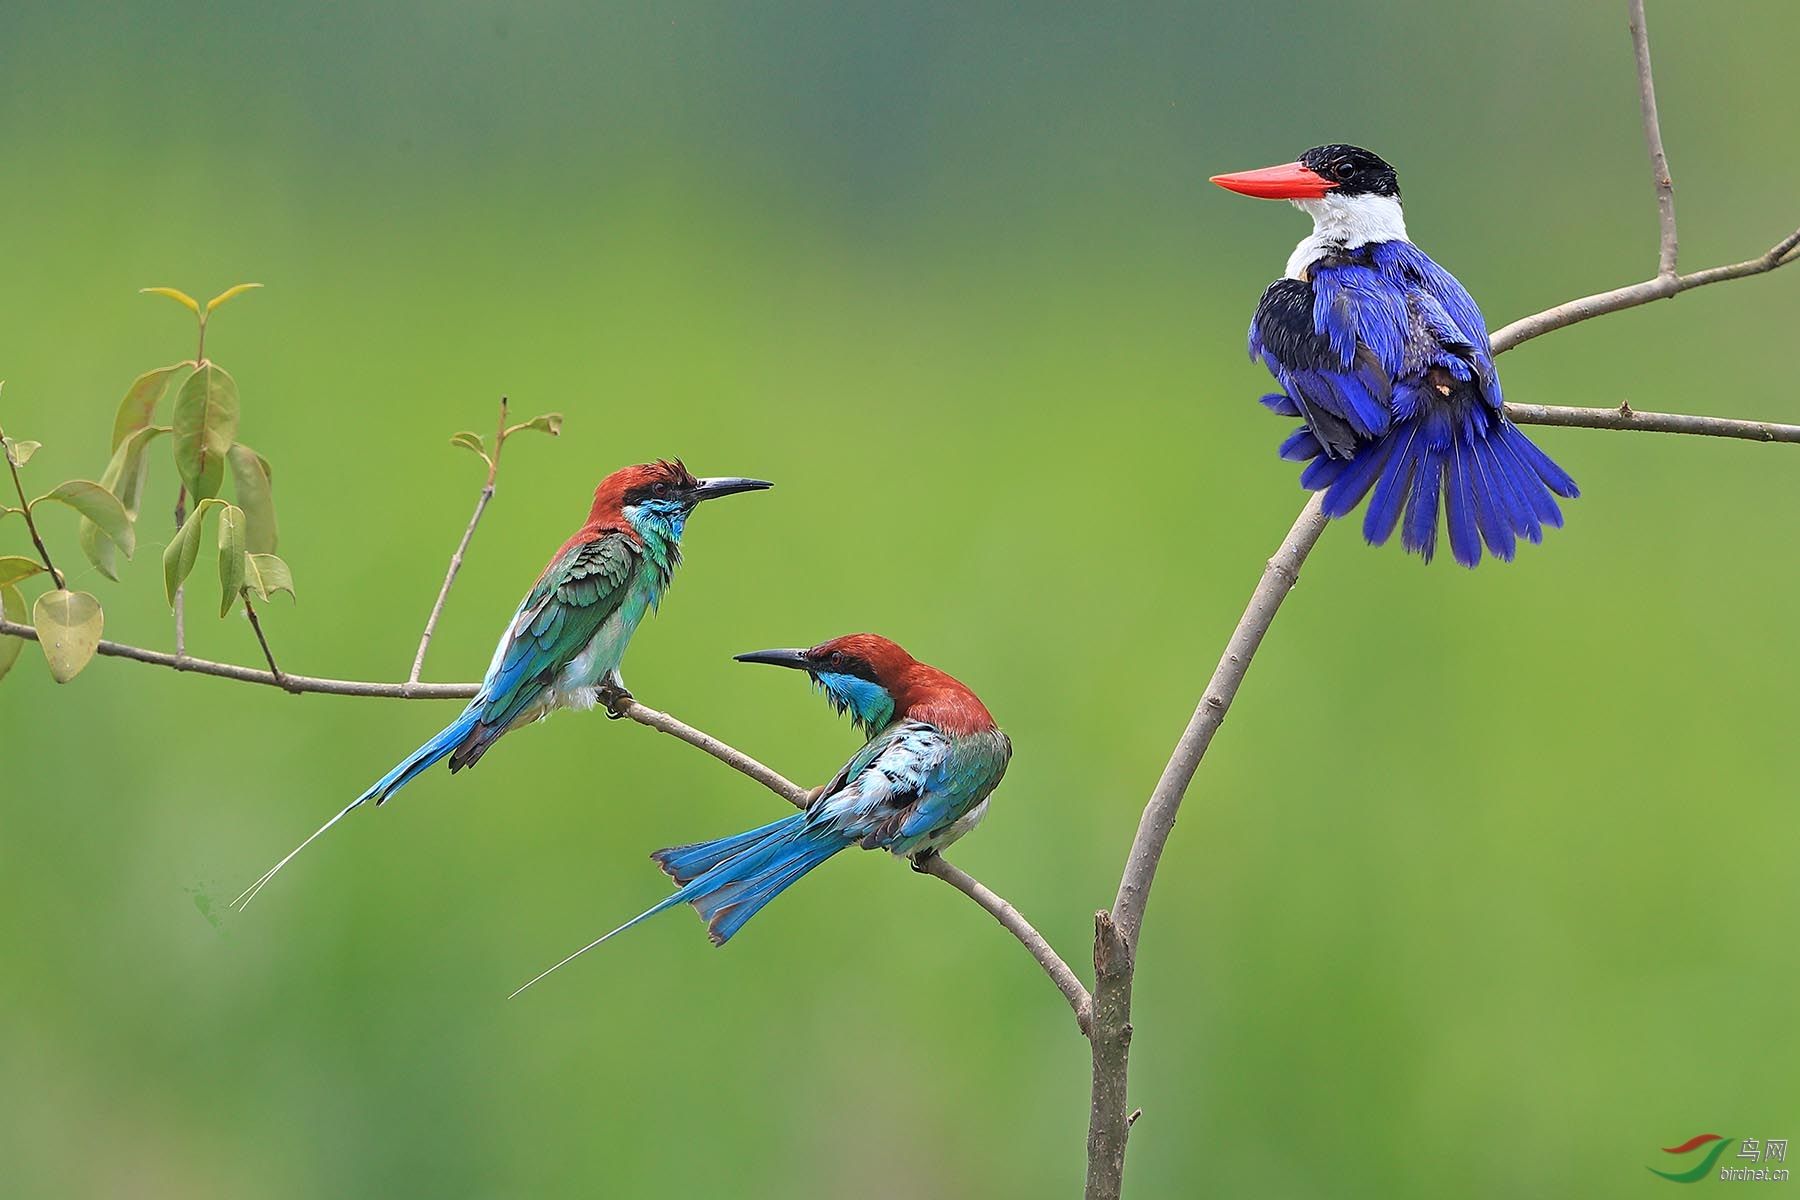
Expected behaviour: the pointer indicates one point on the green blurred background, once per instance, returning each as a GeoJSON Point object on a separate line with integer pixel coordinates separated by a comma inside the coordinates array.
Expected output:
{"type": "Point", "coordinates": [1486, 889]}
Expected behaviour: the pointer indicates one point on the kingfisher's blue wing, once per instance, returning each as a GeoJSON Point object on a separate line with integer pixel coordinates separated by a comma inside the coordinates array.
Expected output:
{"type": "Point", "coordinates": [1336, 380]}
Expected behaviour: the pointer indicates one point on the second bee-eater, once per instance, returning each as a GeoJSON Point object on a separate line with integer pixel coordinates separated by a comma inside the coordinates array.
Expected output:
{"type": "Point", "coordinates": [920, 782]}
{"type": "Point", "coordinates": [563, 646]}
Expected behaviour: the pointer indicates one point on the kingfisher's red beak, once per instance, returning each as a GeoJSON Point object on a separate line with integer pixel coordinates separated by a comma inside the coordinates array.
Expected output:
{"type": "Point", "coordinates": [1289, 181]}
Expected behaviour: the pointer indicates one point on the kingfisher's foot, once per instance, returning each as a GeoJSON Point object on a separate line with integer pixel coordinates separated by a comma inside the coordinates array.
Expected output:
{"type": "Point", "coordinates": [615, 698]}
{"type": "Point", "coordinates": [921, 862]}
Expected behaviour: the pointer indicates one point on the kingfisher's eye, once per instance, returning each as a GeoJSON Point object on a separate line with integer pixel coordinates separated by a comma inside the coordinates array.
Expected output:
{"type": "Point", "coordinates": [1340, 171]}
{"type": "Point", "coordinates": [837, 658]}
{"type": "Point", "coordinates": [659, 489]}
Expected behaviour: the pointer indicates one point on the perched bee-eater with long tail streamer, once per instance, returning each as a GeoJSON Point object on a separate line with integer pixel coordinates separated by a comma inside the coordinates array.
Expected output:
{"type": "Point", "coordinates": [1385, 356]}
{"type": "Point", "coordinates": [563, 646]}
{"type": "Point", "coordinates": [920, 782]}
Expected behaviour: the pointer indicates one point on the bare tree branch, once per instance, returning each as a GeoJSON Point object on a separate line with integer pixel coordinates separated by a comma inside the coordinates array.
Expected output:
{"type": "Point", "coordinates": [1659, 161]}
{"type": "Point", "coordinates": [297, 684]}
{"type": "Point", "coordinates": [1278, 578]}
{"type": "Point", "coordinates": [1661, 288]}
{"type": "Point", "coordinates": [1008, 916]}
{"type": "Point", "coordinates": [456, 560]}
{"type": "Point", "coordinates": [736, 759]}
{"type": "Point", "coordinates": [1627, 417]}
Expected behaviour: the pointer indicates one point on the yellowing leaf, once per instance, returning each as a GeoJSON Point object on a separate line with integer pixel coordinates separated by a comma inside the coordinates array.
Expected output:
{"type": "Point", "coordinates": [12, 606]}
{"type": "Point", "coordinates": [174, 294]}
{"type": "Point", "coordinates": [99, 506]}
{"type": "Point", "coordinates": [206, 420]}
{"type": "Point", "coordinates": [231, 556]}
{"type": "Point", "coordinates": [184, 548]}
{"type": "Point", "coordinates": [250, 482]}
{"type": "Point", "coordinates": [14, 567]}
{"type": "Point", "coordinates": [124, 478]}
{"type": "Point", "coordinates": [69, 625]}
{"type": "Point", "coordinates": [266, 574]}
{"type": "Point", "coordinates": [228, 293]}
{"type": "Point", "coordinates": [19, 453]}
{"type": "Point", "coordinates": [550, 423]}
{"type": "Point", "coordinates": [138, 407]}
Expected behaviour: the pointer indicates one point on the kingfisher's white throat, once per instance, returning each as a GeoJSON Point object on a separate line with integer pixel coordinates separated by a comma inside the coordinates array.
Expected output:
{"type": "Point", "coordinates": [1344, 223]}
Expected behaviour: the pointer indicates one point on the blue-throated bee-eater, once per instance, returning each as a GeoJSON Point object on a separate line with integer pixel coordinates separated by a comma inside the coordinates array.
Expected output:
{"type": "Point", "coordinates": [920, 782]}
{"type": "Point", "coordinates": [563, 646]}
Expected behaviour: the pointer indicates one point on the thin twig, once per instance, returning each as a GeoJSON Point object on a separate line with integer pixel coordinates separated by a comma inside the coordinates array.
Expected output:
{"type": "Point", "coordinates": [1010, 919]}
{"type": "Point", "coordinates": [1627, 417]}
{"type": "Point", "coordinates": [179, 604]}
{"type": "Point", "coordinates": [736, 759]}
{"type": "Point", "coordinates": [1659, 161]}
{"type": "Point", "coordinates": [250, 611]}
{"type": "Point", "coordinates": [1661, 288]}
{"type": "Point", "coordinates": [299, 684]}
{"type": "Point", "coordinates": [31, 525]}
{"type": "Point", "coordinates": [456, 560]}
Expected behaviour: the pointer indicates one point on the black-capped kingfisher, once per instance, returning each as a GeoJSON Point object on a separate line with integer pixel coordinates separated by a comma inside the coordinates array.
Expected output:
{"type": "Point", "coordinates": [1385, 356]}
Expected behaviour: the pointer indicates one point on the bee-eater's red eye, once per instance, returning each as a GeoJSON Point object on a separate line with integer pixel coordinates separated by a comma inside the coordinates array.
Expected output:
{"type": "Point", "coordinates": [659, 489]}
{"type": "Point", "coordinates": [837, 658]}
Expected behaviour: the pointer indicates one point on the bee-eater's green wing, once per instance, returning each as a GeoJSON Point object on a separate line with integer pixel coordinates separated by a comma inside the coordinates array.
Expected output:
{"type": "Point", "coordinates": [561, 615]}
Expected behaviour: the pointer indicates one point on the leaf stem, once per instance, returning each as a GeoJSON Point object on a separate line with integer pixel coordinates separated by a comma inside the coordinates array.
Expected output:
{"type": "Point", "coordinates": [36, 539]}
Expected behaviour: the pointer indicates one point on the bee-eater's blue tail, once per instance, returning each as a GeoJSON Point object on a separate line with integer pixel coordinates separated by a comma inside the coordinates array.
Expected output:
{"type": "Point", "coordinates": [443, 743]}
{"type": "Point", "coordinates": [1494, 482]}
{"type": "Point", "coordinates": [729, 880]}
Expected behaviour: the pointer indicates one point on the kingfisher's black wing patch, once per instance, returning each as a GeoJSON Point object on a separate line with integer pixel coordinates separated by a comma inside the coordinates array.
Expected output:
{"type": "Point", "coordinates": [1344, 400]}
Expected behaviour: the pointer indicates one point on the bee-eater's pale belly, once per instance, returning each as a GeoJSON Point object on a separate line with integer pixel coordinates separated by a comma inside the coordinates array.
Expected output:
{"type": "Point", "coordinates": [575, 684]}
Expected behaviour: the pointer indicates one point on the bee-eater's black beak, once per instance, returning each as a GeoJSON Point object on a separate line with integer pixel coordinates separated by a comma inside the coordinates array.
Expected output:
{"type": "Point", "coordinates": [725, 485]}
{"type": "Point", "coordinates": [777, 658]}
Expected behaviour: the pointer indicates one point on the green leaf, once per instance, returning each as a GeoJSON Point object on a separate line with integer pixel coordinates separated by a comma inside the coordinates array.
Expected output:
{"type": "Point", "coordinates": [228, 293]}
{"type": "Point", "coordinates": [231, 556]}
{"type": "Point", "coordinates": [99, 506]}
{"type": "Point", "coordinates": [266, 574]}
{"type": "Point", "coordinates": [124, 478]}
{"type": "Point", "coordinates": [206, 421]}
{"type": "Point", "coordinates": [471, 442]}
{"type": "Point", "coordinates": [180, 297]}
{"type": "Point", "coordinates": [15, 567]}
{"type": "Point", "coordinates": [184, 548]}
{"type": "Point", "coordinates": [250, 482]}
{"type": "Point", "coordinates": [550, 423]}
{"type": "Point", "coordinates": [12, 605]}
{"type": "Point", "coordinates": [68, 626]}
{"type": "Point", "coordinates": [19, 453]}
{"type": "Point", "coordinates": [138, 407]}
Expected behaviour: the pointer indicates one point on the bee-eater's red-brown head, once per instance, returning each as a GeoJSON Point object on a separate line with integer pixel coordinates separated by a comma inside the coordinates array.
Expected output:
{"type": "Point", "coordinates": [662, 484]}
{"type": "Point", "coordinates": [876, 680]}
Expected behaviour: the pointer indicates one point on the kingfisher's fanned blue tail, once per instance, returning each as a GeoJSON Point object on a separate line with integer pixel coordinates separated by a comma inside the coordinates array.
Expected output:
{"type": "Point", "coordinates": [446, 740]}
{"type": "Point", "coordinates": [1495, 484]}
{"type": "Point", "coordinates": [730, 879]}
